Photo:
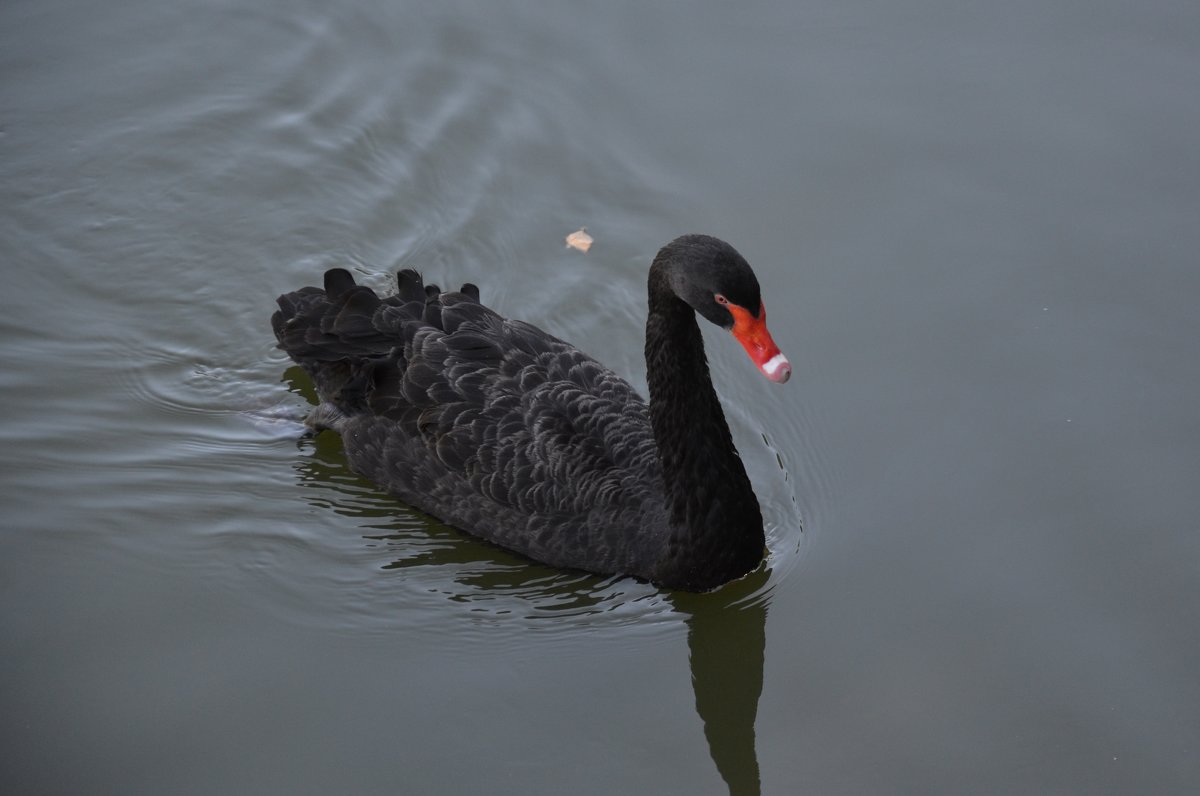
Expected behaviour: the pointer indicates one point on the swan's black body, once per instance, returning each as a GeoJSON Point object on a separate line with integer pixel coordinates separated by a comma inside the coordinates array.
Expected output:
{"type": "Point", "coordinates": [508, 433]}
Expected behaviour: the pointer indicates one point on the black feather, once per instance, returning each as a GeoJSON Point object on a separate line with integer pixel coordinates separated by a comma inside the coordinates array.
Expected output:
{"type": "Point", "coordinates": [512, 434]}
{"type": "Point", "coordinates": [337, 282]}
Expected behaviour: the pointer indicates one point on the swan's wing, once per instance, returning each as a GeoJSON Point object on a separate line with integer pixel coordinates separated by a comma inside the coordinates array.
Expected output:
{"type": "Point", "coordinates": [519, 416]}
{"type": "Point", "coordinates": [463, 401]}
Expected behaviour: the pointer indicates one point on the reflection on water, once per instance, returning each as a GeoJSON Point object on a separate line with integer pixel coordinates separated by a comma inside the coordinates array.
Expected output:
{"type": "Point", "coordinates": [727, 641]}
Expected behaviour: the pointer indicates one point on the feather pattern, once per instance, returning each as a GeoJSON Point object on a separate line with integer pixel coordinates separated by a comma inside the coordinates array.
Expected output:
{"type": "Point", "coordinates": [509, 433]}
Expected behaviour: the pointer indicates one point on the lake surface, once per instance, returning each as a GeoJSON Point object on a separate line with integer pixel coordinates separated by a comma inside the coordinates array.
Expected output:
{"type": "Point", "coordinates": [976, 226]}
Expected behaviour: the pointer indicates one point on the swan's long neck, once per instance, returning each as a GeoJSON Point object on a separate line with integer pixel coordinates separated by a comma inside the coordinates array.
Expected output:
{"type": "Point", "coordinates": [717, 529]}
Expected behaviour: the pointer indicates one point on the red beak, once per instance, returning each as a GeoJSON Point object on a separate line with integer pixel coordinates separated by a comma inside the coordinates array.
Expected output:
{"type": "Point", "coordinates": [752, 333]}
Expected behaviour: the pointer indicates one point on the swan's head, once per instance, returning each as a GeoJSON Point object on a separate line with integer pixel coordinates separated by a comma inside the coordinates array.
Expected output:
{"type": "Point", "coordinates": [718, 283]}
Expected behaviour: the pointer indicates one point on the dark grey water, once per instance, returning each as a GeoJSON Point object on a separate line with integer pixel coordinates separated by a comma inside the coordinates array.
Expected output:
{"type": "Point", "coordinates": [976, 225]}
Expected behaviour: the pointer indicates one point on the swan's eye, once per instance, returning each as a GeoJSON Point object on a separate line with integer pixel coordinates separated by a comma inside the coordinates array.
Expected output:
{"type": "Point", "coordinates": [720, 298]}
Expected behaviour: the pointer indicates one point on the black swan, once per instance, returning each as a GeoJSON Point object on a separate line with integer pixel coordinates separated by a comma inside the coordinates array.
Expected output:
{"type": "Point", "coordinates": [515, 436]}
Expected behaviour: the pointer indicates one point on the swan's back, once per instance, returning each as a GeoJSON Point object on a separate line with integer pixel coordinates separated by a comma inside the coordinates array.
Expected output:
{"type": "Point", "coordinates": [489, 424]}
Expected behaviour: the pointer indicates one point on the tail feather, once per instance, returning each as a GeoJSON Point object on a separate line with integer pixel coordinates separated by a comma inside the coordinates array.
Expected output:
{"type": "Point", "coordinates": [385, 355]}
{"type": "Point", "coordinates": [409, 286]}
{"type": "Point", "coordinates": [337, 282]}
{"type": "Point", "coordinates": [338, 335]}
{"type": "Point", "coordinates": [354, 318]}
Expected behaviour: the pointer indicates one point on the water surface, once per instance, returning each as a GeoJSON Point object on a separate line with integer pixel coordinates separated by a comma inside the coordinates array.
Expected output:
{"type": "Point", "coordinates": [976, 230]}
